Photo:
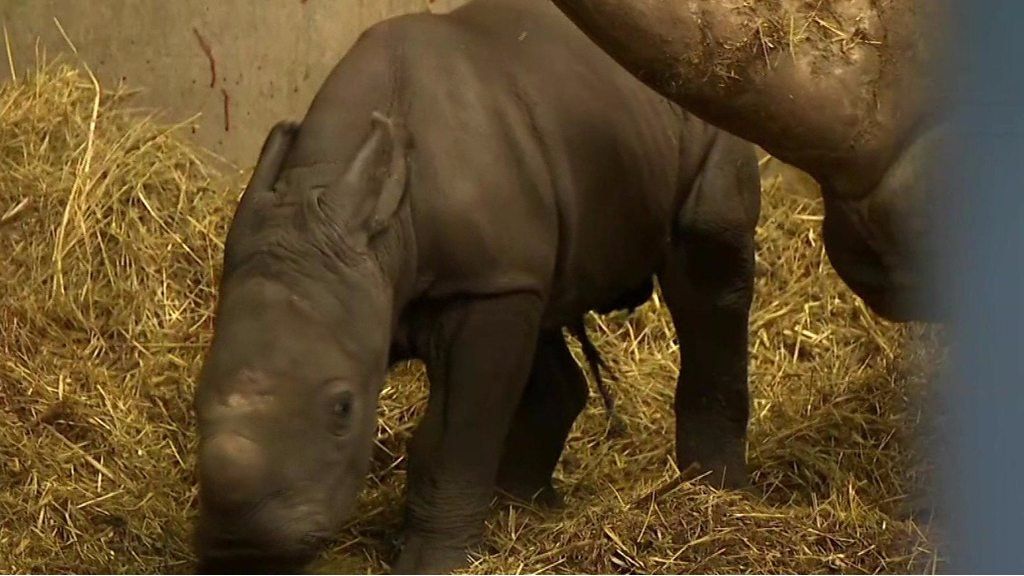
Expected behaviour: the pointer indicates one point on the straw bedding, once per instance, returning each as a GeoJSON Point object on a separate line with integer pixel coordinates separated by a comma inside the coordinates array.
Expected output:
{"type": "Point", "coordinates": [111, 231]}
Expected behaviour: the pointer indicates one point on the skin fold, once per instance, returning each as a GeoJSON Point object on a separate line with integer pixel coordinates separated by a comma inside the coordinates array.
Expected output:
{"type": "Point", "coordinates": [461, 189]}
{"type": "Point", "coordinates": [846, 90]}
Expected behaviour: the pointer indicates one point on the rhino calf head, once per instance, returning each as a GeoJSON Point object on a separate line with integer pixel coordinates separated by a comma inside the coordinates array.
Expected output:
{"type": "Point", "coordinates": [287, 397]}
{"type": "Point", "coordinates": [287, 420]}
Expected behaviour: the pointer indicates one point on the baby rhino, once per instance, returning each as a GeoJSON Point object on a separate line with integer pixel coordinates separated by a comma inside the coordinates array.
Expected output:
{"type": "Point", "coordinates": [461, 188]}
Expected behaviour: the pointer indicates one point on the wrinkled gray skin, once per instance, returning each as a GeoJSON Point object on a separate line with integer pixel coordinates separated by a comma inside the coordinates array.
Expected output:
{"type": "Point", "coordinates": [461, 188]}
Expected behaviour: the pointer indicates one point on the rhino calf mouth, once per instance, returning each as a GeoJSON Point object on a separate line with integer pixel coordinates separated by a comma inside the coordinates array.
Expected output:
{"type": "Point", "coordinates": [226, 552]}
{"type": "Point", "coordinates": [251, 563]}
{"type": "Point", "coordinates": [272, 535]}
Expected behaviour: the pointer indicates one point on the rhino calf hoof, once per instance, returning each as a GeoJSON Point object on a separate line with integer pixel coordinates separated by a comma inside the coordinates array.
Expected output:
{"type": "Point", "coordinates": [544, 495]}
{"type": "Point", "coordinates": [723, 468]}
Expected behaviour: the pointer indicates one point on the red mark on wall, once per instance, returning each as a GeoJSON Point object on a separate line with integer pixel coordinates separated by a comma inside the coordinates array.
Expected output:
{"type": "Point", "coordinates": [227, 110]}
{"type": "Point", "coordinates": [205, 46]}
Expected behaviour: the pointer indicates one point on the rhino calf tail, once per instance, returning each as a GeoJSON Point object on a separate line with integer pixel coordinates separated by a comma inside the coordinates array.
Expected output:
{"type": "Point", "coordinates": [598, 367]}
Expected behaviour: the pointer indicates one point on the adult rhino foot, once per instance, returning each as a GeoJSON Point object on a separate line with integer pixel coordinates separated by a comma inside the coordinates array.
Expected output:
{"type": "Point", "coordinates": [422, 555]}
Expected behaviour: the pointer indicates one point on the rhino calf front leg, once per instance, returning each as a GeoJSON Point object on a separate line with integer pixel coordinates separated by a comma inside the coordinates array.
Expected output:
{"type": "Point", "coordinates": [478, 357]}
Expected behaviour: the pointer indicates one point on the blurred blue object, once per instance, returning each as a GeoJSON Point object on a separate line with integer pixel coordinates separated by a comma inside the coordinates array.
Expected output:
{"type": "Point", "coordinates": [983, 470]}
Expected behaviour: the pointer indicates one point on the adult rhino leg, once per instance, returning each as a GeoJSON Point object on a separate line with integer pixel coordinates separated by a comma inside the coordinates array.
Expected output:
{"type": "Point", "coordinates": [707, 283]}
{"type": "Point", "coordinates": [555, 395]}
{"type": "Point", "coordinates": [478, 356]}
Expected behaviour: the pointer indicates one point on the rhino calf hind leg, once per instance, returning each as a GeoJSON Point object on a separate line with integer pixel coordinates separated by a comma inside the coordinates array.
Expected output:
{"type": "Point", "coordinates": [711, 403]}
{"type": "Point", "coordinates": [478, 355]}
{"type": "Point", "coordinates": [555, 395]}
{"type": "Point", "coordinates": [707, 282]}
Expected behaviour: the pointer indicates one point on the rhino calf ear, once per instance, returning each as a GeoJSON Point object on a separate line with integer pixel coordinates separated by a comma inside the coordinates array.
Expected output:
{"type": "Point", "coordinates": [247, 214]}
{"type": "Point", "coordinates": [374, 184]}
{"type": "Point", "coordinates": [272, 155]}
{"type": "Point", "coordinates": [377, 177]}
{"type": "Point", "coordinates": [393, 189]}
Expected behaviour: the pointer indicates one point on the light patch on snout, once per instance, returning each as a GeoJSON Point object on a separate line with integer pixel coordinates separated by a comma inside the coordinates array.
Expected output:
{"type": "Point", "coordinates": [241, 401]}
{"type": "Point", "coordinates": [300, 304]}
{"type": "Point", "coordinates": [250, 390]}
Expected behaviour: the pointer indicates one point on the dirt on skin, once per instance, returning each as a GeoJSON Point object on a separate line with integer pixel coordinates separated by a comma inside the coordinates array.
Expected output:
{"type": "Point", "coordinates": [111, 232]}
{"type": "Point", "coordinates": [835, 88]}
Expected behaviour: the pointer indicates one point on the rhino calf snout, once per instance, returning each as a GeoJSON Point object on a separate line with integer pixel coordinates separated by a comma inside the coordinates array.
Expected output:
{"type": "Point", "coordinates": [233, 471]}
{"type": "Point", "coordinates": [246, 522]}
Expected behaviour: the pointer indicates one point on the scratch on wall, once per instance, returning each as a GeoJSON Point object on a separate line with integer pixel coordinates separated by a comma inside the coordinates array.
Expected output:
{"type": "Point", "coordinates": [227, 110]}
{"type": "Point", "coordinates": [205, 47]}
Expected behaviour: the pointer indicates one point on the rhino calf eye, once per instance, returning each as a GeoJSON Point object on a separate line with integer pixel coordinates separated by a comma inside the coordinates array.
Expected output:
{"type": "Point", "coordinates": [341, 412]}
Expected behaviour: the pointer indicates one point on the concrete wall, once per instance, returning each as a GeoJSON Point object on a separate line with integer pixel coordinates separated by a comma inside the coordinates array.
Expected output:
{"type": "Point", "coordinates": [270, 56]}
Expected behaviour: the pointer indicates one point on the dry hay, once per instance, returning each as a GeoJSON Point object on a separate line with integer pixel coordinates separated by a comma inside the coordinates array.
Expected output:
{"type": "Point", "coordinates": [110, 230]}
